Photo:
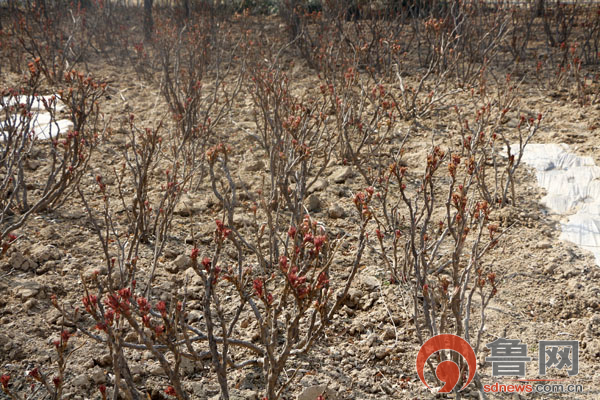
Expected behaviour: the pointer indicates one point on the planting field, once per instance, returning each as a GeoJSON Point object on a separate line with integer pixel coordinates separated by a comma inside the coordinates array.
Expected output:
{"type": "Point", "coordinates": [294, 200]}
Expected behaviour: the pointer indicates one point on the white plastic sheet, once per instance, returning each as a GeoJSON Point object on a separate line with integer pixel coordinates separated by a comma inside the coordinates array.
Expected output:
{"type": "Point", "coordinates": [572, 185]}
{"type": "Point", "coordinates": [42, 125]}
{"type": "Point", "coordinates": [37, 103]}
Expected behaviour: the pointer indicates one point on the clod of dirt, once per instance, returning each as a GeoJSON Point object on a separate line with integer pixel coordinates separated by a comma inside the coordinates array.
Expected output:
{"type": "Point", "coordinates": [98, 376]}
{"type": "Point", "coordinates": [341, 174]}
{"type": "Point", "coordinates": [370, 282]}
{"type": "Point", "coordinates": [240, 220]}
{"type": "Point", "coordinates": [186, 206]}
{"type": "Point", "coordinates": [313, 203]}
{"type": "Point", "coordinates": [81, 381]}
{"type": "Point", "coordinates": [41, 253]}
{"type": "Point", "coordinates": [388, 334]}
{"type": "Point", "coordinates": [27, 289]}
{"type": "Point", "coordinates": [22, 262]}
{"type": "Point", "coordinates": [180, 264]}
{"type": "Point", "coordinates": [354, 297]}
{"type": "Point", "coordinates": [29, 304]}
{"type": "Point", "coordinates": [89, 273]}
{"type": "Point", "coordinates": [336, 211]}
{"type": "Point", "coordinates": [255, 166]}
{"type": "Point", "coordinates": [318, 186]}
{"type": "Point", "coordinates": [312, 392]}
{"type": "Point", "coordinates": [544, 244]}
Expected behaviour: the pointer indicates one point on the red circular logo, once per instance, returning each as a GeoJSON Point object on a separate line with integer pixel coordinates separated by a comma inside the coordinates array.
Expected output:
{"type": "Point", "coordinates": [447, 371]}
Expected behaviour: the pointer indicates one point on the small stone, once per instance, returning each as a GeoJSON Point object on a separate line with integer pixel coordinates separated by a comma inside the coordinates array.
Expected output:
{"type": "Point", "coordinates": [550, 268]}
{"type": "Point", "coordinates": [255, 166]}
{"type": "Point", "coordinates": [198, 389]}
{"type": "Point", "coordinates": [318, 186]}
{"type": "Point", "coordinates": [155, 369]}
{"type": "Point", "coordinates": [212, 390]}
{"type": "Point", "coordinates": [357, 328]}
{"type": "Point", "coordinates": [371, 340]}
{"type": "Point", "coordinates": [353, 297]}
{"type": "Point", "coordinates": [170, 252]}
{"type": "Point", "coordinates": [195, 316]}
{"type": "Point", "coordinates": [4, 340]}
{"type": "Point", "coordinates": [313, 203]}
{"type": "Point", "coordinates": [131, 337]}
{"type": "Point", "coordinates": [336, 355]}
{"type": "Point", "coordinates": [28, 289]}
{"type": "Point", "coordinates": [41, 254]}
{"type": "Point", "coordinates": [370, 282]}
{"type": "Point", "coordinates": [187, 366]}
{"type": "Point", "coordinates": [49, 233]}
{"type": "Point", "coordinates": [387, 388]}
{"type": "Point", "coordinates": [185, 207]}
{"type": "Point", "coordinates": [367, 304]}
{"type": "Point", "coordinates": [48, 266]}
{"type": "Point", "coordinates": [81, 381]}
{"type": "Point", "coordinates": [576, 285]}
{"type": "Point", "coordinates": [181, 263]}
{"type": "Point", "coordinates": [341, 174]}
{"type": "Point", "coordinates": [382, 352]}
{"type": "Point", "coordinates": [74, 214]}
{"type": "Point", "coordinates": [389, 333]}
{"type": "Point", "coordinates": [241, 220]}
{"type": "Point", "coordinates": [543, 245]}
{"type": "Point", "coordinates": [195, 292]}
{"type": "Point", "coordinates": [33, 164]}
{"type": "Point", "coordinates": [307, 380]}
{"type": "Point", "coordinates": [312, 392]}
{"type": "Point", "coordinates": [29, 304]}
{"type": "Point", "coordinates": [236, 394]}
{"type": "Point", "coordinates": [336, 211]}
{"type": "Point", "coordinates": [135, 369]}
{"type": "Point", "coordinates": [22, 262]}
{"type": "Point", "coordinates": [98, 375]}
{"type": "Point", "coordinates": [104, 360]}
{"type": "Point", "coordinates": [191, 275]}
{"type": "Point", "coordinates": [89, 273]}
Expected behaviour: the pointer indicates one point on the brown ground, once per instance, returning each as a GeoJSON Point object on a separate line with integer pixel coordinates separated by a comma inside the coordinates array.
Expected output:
{"type": "Point", "coordinates": [548, 289]}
